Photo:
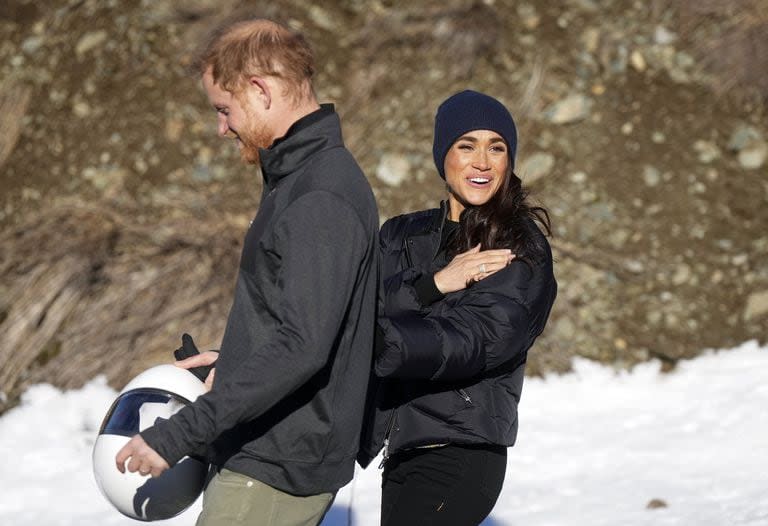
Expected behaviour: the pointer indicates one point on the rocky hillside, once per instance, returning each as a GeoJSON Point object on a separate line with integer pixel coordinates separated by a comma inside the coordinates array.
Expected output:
{"type": "Point", "coordinates": [643, 130]}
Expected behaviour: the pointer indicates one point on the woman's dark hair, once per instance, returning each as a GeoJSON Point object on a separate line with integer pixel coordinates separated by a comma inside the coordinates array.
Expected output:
{"type": "Point", "coordinates": [505, 221]}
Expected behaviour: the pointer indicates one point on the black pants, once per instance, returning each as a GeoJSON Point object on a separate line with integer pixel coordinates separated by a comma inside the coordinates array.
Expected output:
{"type": "Point", "coordinates": [446, 486]}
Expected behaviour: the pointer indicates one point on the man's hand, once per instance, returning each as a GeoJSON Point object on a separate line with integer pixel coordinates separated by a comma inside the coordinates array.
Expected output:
{"type": "Point", "coordinates": [203, 359]}
{"type": "Point", "coordinates": [143, 458]}
{"type": "Point", "coordinates": [200, 364]}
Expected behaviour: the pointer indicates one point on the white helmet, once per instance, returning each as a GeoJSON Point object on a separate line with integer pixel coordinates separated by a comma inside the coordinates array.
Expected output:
{"type": "Point", "coordinates": [158, 392]}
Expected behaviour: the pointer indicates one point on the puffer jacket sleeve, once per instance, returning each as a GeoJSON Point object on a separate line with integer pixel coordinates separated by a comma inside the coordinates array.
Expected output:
{"type": "Point", "coordinates": [493, 322]}
{"type": "Point", "coordinates": [397, 294]}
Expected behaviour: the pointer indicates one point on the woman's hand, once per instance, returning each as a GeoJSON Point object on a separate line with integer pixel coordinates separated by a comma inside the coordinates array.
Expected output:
{"type": "Point", "coordinates": [472, 265]}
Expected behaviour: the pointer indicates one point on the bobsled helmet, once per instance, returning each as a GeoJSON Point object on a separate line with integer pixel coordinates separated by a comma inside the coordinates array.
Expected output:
{"type": "Point", "coordinates": [158, 392]}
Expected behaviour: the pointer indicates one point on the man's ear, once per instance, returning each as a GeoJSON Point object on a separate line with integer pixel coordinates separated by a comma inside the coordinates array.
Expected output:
{"type": "Point", "coordinates": [262, 90]}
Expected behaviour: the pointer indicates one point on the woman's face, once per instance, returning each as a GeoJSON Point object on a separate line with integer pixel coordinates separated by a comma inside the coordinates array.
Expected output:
{"type": "Point", "coordinates": [475, 167]}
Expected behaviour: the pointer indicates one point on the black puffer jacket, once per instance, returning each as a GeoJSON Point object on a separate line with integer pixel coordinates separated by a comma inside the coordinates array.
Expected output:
{"type": "Point", "coordinates": [452, 371]}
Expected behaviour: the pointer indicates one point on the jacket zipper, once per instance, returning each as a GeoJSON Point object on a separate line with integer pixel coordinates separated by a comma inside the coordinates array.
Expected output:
{"type": "Point", "coordinates": [465, 396]}
{"type": "Point", "coordinates": [409, 240]}
{"type": "Point", "coordinates": [462, 393]}
{"type": "Point", "coordinates": [390, 425]}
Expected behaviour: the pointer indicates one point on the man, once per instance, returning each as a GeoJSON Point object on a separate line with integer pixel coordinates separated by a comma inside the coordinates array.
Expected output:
{"type": "Point", "coordinates": [283, 415]}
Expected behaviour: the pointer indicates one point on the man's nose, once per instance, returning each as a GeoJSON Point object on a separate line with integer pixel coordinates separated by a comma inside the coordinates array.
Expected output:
{"type": "Point", "coordinates": [223, 127]}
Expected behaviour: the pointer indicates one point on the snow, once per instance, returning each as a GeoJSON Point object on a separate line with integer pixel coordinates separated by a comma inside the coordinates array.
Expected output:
{"type": "Point", "coordinates": [595, 447]}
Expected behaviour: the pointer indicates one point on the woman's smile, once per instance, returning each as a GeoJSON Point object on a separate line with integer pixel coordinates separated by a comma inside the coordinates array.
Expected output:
{"type": "Point", "coordinates": [475, 166]}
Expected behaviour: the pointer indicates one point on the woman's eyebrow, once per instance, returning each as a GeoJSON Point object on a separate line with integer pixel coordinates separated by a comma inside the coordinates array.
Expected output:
{"type": "Point", "coordinates": [473, 139]}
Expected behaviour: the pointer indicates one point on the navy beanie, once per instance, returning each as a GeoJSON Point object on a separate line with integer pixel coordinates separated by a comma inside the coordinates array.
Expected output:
{"type": "Point", "coordinates": [468, 111]}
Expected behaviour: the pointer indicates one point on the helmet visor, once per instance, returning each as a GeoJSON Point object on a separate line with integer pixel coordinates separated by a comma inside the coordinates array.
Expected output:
{"type": "Point", "coordinates": [138, 409]}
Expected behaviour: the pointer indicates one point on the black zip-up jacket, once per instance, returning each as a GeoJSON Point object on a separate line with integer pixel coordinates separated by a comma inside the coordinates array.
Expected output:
{"type": "Point", "coordinates": [451, 371]}
{"type": "Point", "coordinates": [287, 402]}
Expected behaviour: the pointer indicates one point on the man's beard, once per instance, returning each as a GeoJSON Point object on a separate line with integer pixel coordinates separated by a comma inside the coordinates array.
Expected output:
{"type": "Point", "coordinates": [251, 141]}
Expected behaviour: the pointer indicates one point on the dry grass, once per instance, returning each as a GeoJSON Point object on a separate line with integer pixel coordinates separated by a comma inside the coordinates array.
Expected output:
{"type": "Point", "coordinates": [14, 100]}
{"type": "Point", "coordinates": [87, 290]}
{"type": "Point", "coordinates": [731, 42]}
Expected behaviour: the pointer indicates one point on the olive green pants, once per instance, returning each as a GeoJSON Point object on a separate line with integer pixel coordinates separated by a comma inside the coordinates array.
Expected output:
{"type": "Point", "coordinates": [232, 498]}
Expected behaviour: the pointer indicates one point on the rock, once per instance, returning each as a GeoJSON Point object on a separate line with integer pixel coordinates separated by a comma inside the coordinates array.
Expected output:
{"type": "Point", "coordinates": [707, 150]}
{"type": "Point", "coordinates": [757, 305]}
{"type": "Point", "coordinates": [321, 17]}
{"type": "Point", "coordinates": [81, 109]}
{"type": "Point", "coordinates": [618, 238]}
{"type": "Point", "coordinates": [748, 142]}
{"type": "Point", "coordinates": [528, 16]}
{"type": "Point", "coordinates": [753, 156]}
{"type": "Point", "coordinates": [651, 175]}
{"type": "Point", "coordinates": [600, 212]}
{"type": "Point", "coordinates": [684, 60]}
{"type": "Point", "coordinates": [393, 169]}
{"type": "Point", "coordinates": [140, 165]}
{"type": "Point", "coordinates": [663, 36]}
{"type": "Point", "coordinates": [635, 266]}
{"type": "Point", "coordinates": [682, 274]}
{"type": "Point", "coordinates": [654, 317]}
{"type": "Point", "coordinates": [743, 136]}
{"type": "Point", "coordinates": [536, 166]}
{"type": "Point", "coordinates": [565, 328]}
{"type": "Point", "coordinates": [202, 173]}
{"type": "Point", "coordinates": [637, 61]}
{"type": "Point", "coordinates": [578, 177]}
{"type": "Point", "coordinates": [204, 156]}
{"type": "Point", "coordinates": [32, 44]}
{"type": "Point", "coordinates": [656, 503]}
{"type": "Point", "coordinates": [573, 108]}
{"type": "Point", "coordinates": [105, 178]}
{"type": "Point", "coordinates": [90, 41]}
{"type": "Point", "coordinates": [591, 38]}
{"type": "Point", "coordinates": [616, 62]}
{"type": "Point", "coordinates": [173, 128]}
{"type": "Point", "coordinates": [739, 259]}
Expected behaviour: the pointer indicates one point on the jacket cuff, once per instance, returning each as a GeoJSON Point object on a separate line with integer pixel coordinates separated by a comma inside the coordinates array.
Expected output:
{"type": "Point", "coordinates": [426, 290]}
{"type": "Point", "coordinates": [158, 438]}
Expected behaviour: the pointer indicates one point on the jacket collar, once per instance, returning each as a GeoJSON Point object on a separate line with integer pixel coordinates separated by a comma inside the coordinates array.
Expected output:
{"type": "Point", "coordinates": [432, 222]}
{"type": "Point", "coordinates": [424, 244]}
{"type": "Point", "coordinates": [313, 133]}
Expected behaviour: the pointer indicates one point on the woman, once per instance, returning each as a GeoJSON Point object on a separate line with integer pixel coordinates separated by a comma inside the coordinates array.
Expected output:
{"type": "Point", "coordinates": [467, 289]}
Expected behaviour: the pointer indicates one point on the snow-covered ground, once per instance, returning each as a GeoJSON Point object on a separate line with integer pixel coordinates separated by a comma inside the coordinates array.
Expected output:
{"type": "Point", "coordinates": [595, 446]}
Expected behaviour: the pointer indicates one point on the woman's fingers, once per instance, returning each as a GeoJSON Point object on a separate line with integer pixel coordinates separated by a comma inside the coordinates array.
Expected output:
{"type": "Point", "coordinates": [489, 269]}
{"type": "Point", "coordinates": [489, 262]}
{"type": "Point", "coordinates": [481, 261]}
{"type": "Point", "coordinates": [470, 266]}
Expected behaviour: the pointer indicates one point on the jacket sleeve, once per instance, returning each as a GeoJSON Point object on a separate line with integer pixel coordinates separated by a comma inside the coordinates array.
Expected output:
{"type": "Point", "coordinates": [400, 292]}
{"type": "Point", "coordinates": [489, 326]}
{"type": "Point", "coordinates": [321, 243]}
